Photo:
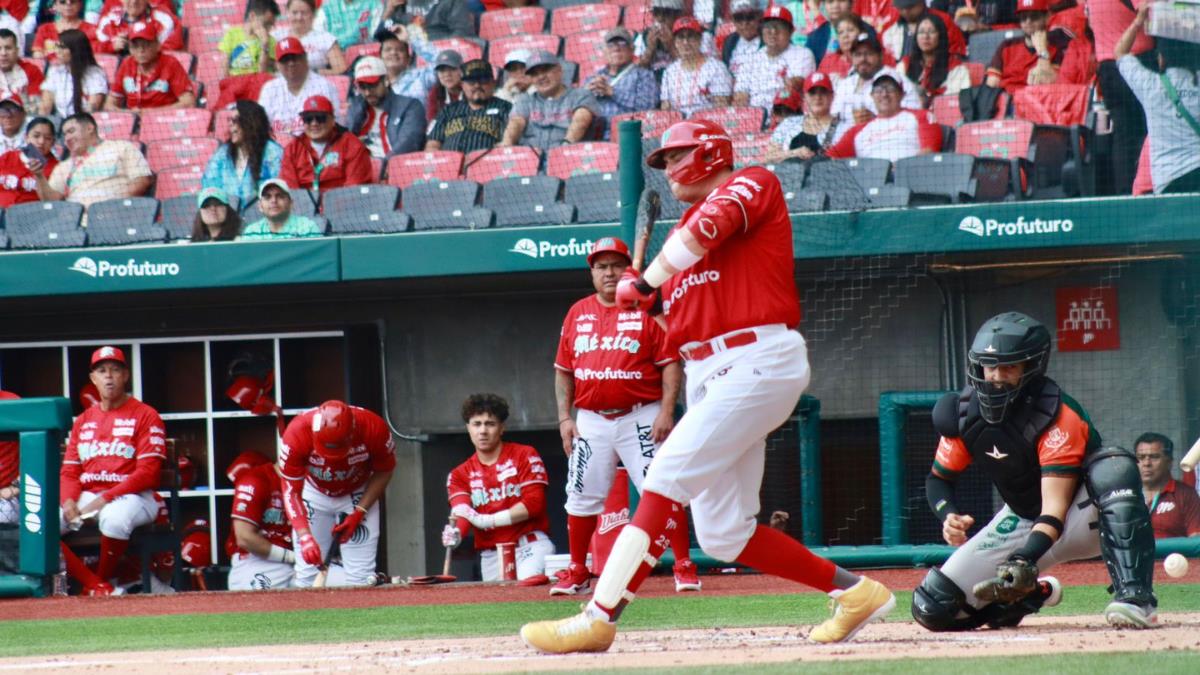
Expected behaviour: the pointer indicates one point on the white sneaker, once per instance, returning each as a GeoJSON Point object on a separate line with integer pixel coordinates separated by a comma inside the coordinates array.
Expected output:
{"type": "Point", "coordinates": [1129, 615]}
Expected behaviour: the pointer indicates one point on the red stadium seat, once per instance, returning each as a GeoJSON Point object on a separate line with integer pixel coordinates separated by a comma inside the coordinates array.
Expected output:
{"type": "Point", "coordinates": [637, 15]}
{"type": "Point", "coordinates": [422, 167]}
{"type": "Point", "coordinates": [365, 49]}
{"type": "Point", "coordinates": [210, 70]}
{"type": "Point", "coordinates": [342, 84]}
{"type": "Point", "coordinates": [205, 38]}
{"type": "Point", "coordinates": [946, 111]}
{"type": "Point", "coordinates": [178, 181]}
{"type": "Point", "coordinates": [201, 12]}
{"type": "Point", "coordinates": [565, 161]}
{"type": "Point", "coordinates": [744, 119]}
{"type": "Point", "coordinates": [158, 125]}
{"type": "Point", "coordinates": [565, 21]}
{"type": "Point", "coordinates": [467, 49]}
{"type": "Point", "coordinates": [377, 168]}
{"type": "Point", "coordinates": [1005, 139]}
{"type": "Point", "coordinates": [116, 124]}
{"type": "Point", "coordinates": [498, 23]}
{"type": "Point", "coordinates": [654, 122]}
{"type": "Point", "coordinates": [499, 49]}
{"type": "Point", "coordinates": [221, 121]}
{"type": "Point", "coordinates": [185, 59]}
{"type": "Point", "coordinates": [746, 152]}
{"type": "Point", "coordinates": [177, 152]}
{"type": "Point", "coordinates": [978, 72]}
{"type": "Point", "coordinates": [108, 63]}
{"type": "Point", "coordinates": [586, 49]}
{"type": "Point", "coordinates": [482, 166]}
{"type": "Point", "coordinates": [1056, 104]}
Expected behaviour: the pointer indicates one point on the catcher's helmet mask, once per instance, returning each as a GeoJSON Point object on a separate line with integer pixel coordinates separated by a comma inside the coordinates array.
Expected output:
{"type": "Point", "coordinates": [1006, 339]}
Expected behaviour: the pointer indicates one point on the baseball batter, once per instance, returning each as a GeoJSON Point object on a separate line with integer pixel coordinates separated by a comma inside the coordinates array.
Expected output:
{"type": "Point", "coordinates": [336, 460]}
{"type": "Point", "coordinates": [500, 492]}
{"type": "Point", "coordinates": [1065, 497]}
{"type": "Point", "coordinates": [613, 365]}
{"type": "Point", "coordinates": [111, 468]}
{"type": "Point", "coordinates": [262, 556]}
{"type": "Point", "coordinates": [10, 474]}
{"type": "Point", "coordinates": [731, 307]}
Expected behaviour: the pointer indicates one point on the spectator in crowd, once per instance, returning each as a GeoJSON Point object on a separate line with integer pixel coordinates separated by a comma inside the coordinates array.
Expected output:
{"type": "Point", "coordinates": [1108, 20]}
{"type": "Point", "coordinates": [1171, 99]}
{"type": "Point", "coordinates": [448, 90]}
{"type": "Point", "coordinates": [18, 185]}
{"type": "Point", "coordinates": [811, 134]}
{"type": "Point", "coordinates": [440, 19]}
{"type": "Point", "coordinates": [1174, 508]}
{"type": "Point", "coordinates": [327, 156]}
{"type": "Point", "coordinates": [12, 121]}
{"type": "Point", "coordinates": [931, 66]}
{"type": "Point", "coordinates": [324, 54]}
{"type": "Point", "coordinates": [553, 113]}
{"type": "Point", "coordinates": [248, 158]}
{"type": "Point", "coordinates": [352, 22]}
{"type": "Point", "coordinates": [1031, 58]}
{"type": "Point", "coordinates": [897, 38]}
{"type": "Point", "coordinates": [406, 77]}
{"type": "Point", "coordinates": [216, 219]}
{"type": "Point", "coordinates": [824, 39]}
{"type": "Point", "coordinates": [387, 123]}
{"type": "Point", "coordinates": [516, 80]}
{"type": "Point", "coordinates": [249, 47]}
{"type": "Point", "coordinates": [76, 83]}
{"type": "Point", "coordinates": [837, 63]}
{"type": "Point", "coordinates": [478, 121]}
{"type": "Point", "coordinates": [264, 558]}
{"type": "Point", "coordinates": [655, 46]}
{"type": "Point", "coordinates": [284, 96]}
{"type": "Point", "coordinates": [18, 76]}
{"type": "Point", "coordinates": [853, 99]}
{"type": "Point", "coordinates": [119, 20]}
{"type": "Point", "coordinates": [746, 37]}
{"type": "Point", "coordinates": [893, 133]}
{"type": "Point", "coordinates": [777, 66]}
{"type": "Point", "coordinates": [96, 170]}
{"type": "Point", "coordinates": [278, 221]}
{"type": "Point", "coordinates": [621, 86]}
{"type": "Point", "coordinates": [68, 15]}
{"type": "Point", "coordinates": [149, 79]}
{"type": "Point", "coordinates": [694, 81]}
{"type": "Point", "coordinates": [788, 104]}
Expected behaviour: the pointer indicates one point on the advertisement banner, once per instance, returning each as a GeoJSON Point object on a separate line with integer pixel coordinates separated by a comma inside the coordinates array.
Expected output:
{"type": "Point", "coordinates": [1088, 320]}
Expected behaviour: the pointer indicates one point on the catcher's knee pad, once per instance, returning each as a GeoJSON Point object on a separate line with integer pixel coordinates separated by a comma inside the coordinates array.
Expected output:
{"type": "Point", "coordinates": [1126, 537]}
{"type": "Point", "coordinates": [940, 605]}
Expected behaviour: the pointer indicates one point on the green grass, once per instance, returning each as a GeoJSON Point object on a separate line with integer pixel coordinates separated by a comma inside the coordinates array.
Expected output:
{"type": "Point", "coordinates": [23, 638]}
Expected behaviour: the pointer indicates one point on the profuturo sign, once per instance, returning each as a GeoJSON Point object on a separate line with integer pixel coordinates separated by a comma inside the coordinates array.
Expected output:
{"type": "Point", "coordinates": [991, 227]}
{"type": "Point", "coordinates": [549, 249]}
{"type": "Point", "coordinates": [130, 268]}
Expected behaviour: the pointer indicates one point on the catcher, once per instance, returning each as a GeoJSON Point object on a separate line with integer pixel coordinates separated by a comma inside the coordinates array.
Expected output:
{"type": "Point", "coordinates": [1065, 497]}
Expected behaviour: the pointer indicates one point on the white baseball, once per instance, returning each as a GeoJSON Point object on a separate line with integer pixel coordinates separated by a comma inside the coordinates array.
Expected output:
{"type": "Point", "coordinates": [1176, 565]}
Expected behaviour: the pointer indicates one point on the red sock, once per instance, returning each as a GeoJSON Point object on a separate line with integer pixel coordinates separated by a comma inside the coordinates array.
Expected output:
{"type": "Point", "coordinates": [111, 551]}
{"type": "Point", "coordinates": [76, 569]}
{"type": "Point", "coordinates": [680, 540]}
{"type": "Point", "coordinates": [774, 552]}
{"type": "Point", "coordinates": [579, 536]}
{"type": "Point", "coordinates": [656, 515]}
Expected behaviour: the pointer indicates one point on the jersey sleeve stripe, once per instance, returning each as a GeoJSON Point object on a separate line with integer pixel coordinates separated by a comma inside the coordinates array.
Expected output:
{"type": "Point", "coordinates": [535, 482]}
{"type": "Point", "coordinates": [152, 454]}
{"type": "Point", "coordinates": [288, 476]}
{"type": "Point", "coordinates": [562, 368]}
{"type": "Point", "coordinates": [455, 494]}
{"type": "Point", "coordinates": [946, 473]}
{"type": "Point", "coordinates": [244, 518]}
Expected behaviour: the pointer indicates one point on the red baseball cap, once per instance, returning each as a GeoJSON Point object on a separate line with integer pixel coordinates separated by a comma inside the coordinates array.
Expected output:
{"type": "Point", "coordinates": [779, 13]}
{"type": "Point", "coordinates": [788, 98]}
{"type": "Point", "coordinates": [1033, 6]}
{"type": "Point", "coordinates": [107, 353]}
{"type": "Point", "coordinates": [144, 30]}
{"type": "Point", "coordinates": [817, 80]}
{"type": "Point", "coordinates": [318, 104]}
{"type": "Point", "coordinates": [10, 96]}
{"type": "Point", "coordinates": [288, 46]}
{"type": "Point", "coordinates": [609, 245]}
{"type": "Point", "coordinates": [687, 23]}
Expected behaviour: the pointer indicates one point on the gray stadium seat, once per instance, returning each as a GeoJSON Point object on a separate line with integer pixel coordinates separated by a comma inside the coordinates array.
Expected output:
{"type": "Point", "coordinates": [135, 212]}
{"type": "Point", "coordinates": [848, 199]}
{"type": "Point", "coordinates": [518, 215]}
{"type": "Point", "coordinates": [467, 218]}
{"type": "Point", "coordinates": [304, 203]}
{"type": "Point", "coordinates": [595, 196]}
{"type": "Point", "coordinates": [982, 46]}
{"type": "Point", "coordinates": [3, 242]}
{"type": "Point", "coordinates": [538, 189]}
{"type": "Point", "coordinates": [178, 213]}
{"type": "Point", "coordinates": [385, 222]}
{"type": "Point", "coordinates": [836, 179]}
{"type": "Point", "coordinates": [868, 172]}
{"type": "Point", "coordinates": [115, 234]}
{"type": "Point", "coordinates": [38, 225]}
{"type": "Point", "coordinates": [888, 197]}
{"type": "Point", "coordinates": [790, 174]}
{"type": "Point", "coordinates": [938, 178]}
{"type": "Point", "coordinates": [806, 201]}
{"type": "Point", "coordinates": [434, 199]}
{"type": "Point", "coordinates": [359, 201]}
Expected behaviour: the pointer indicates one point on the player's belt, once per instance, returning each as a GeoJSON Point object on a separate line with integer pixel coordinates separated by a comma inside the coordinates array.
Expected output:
{"type": "Point", "coordinates": [698, 351]}
{"type": "Point", "coordinates": [614, 413]}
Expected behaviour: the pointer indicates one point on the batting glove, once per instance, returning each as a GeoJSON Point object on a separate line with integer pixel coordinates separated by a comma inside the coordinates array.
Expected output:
{"type": "Point", "coordinates": [464, 511]}
{"type": "Point", "coordinates": [633, 293]}
{"type": "Point", "coordinates": [346, 528]}
{"type": "Point", "coordinates": [451, 537]}
{"type": "Point", "coordinates": [310, 550]}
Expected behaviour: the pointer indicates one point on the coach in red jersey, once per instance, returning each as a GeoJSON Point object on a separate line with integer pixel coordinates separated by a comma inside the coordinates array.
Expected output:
{"type": "Point", "coordinates": [336, 461]}
{"type": "Point", "coordinates": [111, 468]}
{"type": "Point", "coordinates": [500, 493]}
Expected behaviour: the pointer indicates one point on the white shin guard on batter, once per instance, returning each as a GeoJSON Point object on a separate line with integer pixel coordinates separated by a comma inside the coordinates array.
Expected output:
{"type": "Point", "coordinates": [601, 443]}
{"type": "Point", "coordinates": [120, 517]}
{"type": "Point", "coordinates": [358, 554]}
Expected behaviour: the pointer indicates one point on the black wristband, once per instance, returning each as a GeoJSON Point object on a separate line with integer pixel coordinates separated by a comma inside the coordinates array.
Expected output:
{"type": "Point", "coordinates": [1051, 521]}
{"type": "Point", "coordinates": [643, 287]}
{"type": "Point", "coordinates": [940, 493]}
{"type": "Point", "coordinates": [1035, 547]}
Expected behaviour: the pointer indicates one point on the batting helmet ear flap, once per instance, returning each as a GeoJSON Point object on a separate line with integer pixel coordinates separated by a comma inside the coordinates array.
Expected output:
{"type": "Point", "coordinates": [332, 429]}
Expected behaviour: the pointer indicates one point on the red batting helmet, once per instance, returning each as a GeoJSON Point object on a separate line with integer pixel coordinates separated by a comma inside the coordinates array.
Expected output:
{"type": "Point", "coordinates": [243, 462]}
{"type": "Point", "coordinates": [89, 396]}
{"type": "Point", "coordinates": [187, 472]}
{"type": "Point", "coordinates": [195, 547]}
{"type": "Point", "coordinates": [713, 150]}
{"type": "Point", "coordinates": [332, 429]}
{"type": "Point", "coordinates": [609, 245]}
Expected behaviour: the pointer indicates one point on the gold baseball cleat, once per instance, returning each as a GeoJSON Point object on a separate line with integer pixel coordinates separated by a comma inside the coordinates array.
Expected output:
{"type": "Point", "coordinates": [862, 603]}
{"type": "Point", "coordinates": [580, 633]}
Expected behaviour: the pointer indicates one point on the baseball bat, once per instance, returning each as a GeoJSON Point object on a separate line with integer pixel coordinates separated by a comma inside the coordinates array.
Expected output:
{"type": "Point", "coordinates": [334, 549]}
{"type": "Point", "coordinates": [1192, 458]}
{"type": "Point", "coordinates": [649, 206]}
{"type": "Point", "coordinates": [445, 577]}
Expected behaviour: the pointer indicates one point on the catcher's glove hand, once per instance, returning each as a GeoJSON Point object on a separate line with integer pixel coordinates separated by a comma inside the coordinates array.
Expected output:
{"type": "Point", "coordinates": [1015, 579]}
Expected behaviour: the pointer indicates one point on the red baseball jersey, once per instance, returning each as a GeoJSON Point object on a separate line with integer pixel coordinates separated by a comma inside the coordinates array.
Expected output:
{"type": "Point", "coordinates": [517, 476]}
{"type": "Point", "coordinates": [48, 32]}
{"type": "Point", "coordinates": [17, 183]}
{"type": "Point", "coordinates": [747, 279]}
{"type": "Point", "coordinates": [1014, 59]}
{"type": "Point", "coordinates": [162, 86]}
{"type": "Point", "coordinates": [114, 452]}
{"type": "Point", "coordinates": [10, 452]}
{"type": "Point", "coordinates": [258, 500]}
{"type": "Point", "coordinates": [615, 356]}
{"type": "Point", "coordinates": [114, 23]}
{"type": "Point", "coordinates": [371, 450]}
{"type": "Point", "coordinates": [1175, 512]}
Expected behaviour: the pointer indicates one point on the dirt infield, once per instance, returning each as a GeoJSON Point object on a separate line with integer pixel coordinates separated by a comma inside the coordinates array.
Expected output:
{"type": "Point", "coordinates": [641, 649]}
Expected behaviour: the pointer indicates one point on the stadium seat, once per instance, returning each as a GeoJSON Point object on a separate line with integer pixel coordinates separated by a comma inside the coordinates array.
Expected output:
{"type": "Point", "coordinates": [210, 70]}
{"type": "Point", "coordinates": [355, 52]}
{"type": "Point", "coordinates": [570, 72]}
{"type": "Point", "coordinates": [180, 180]}
{"type": "Point", "coordinates": [482, 166]}
{"type": "Point", "coordinates": [304, 202]}
{"type": "Point", "coordinates": [203, 12]}
{"type": "Point", "coordinates": [747, 152]}
{"type": "Point", "coordinates": [178, 214]}
{"type": "Point", "coordinates": [978, 72]}
{"type": "Point", "coordinates": [1041, 159]}
{"type": "Point", "coordinates": [523, 214]}
{"type": "Point", "coordinates": [40, 225]}
{"type": "Point", "coordinates": [342, 84]}
{"type": "Point", "coordinates": [422, 167]}
{"type": "Point", "coordinates": [838, 174]}
{"type": "Point", "coordinates": [584, 18]}
{"type": "Point", "coordinates": [116, 234]}
{"type": "Point", "coordinates": [501, 23]}
{"type": "Point", "coordinates": [127, 211]}
{"type": "Point", "coordinates": [221, 121]}
{"type": "Point", "coordinates": [461, 218]}
{"type": "Point", "coordinates": [586, 49]}
{"type": "Point", "coordinates": [946, 110]}
{"type": "Point", "coordinates": [806, 201]}
{"type": "Point", "coordinates": [850, 198]}
{"type": "Point", "coordinates": [387, 222]}
{"type": "Point", "coordinates": [159, 125]}
{"type": "Point", "coordinates": [1057, 104]}
{"type": "Point", "coordinates": [527, 200]}
{"type": "Point", "coordinates": [180, 152]}
{"type": "Point", "coordinates": [108, 63]}
{"type": "Point", "coordinates": [185, 59]}
{"type": "Point", "coordinates": [118, 125]}
{"type": "Point", "coordinates": [565, 161]}
{"type": "Point", "coordinates": [654, 122]}
{"type": "Point", "coordinates": [982, 46]}
{"type": "Point", "coordinates": [467, 48]}
{"type": "Point", "coordinates": [888, 197]}
{"type": "Point", "coordinates": [205, 38]}
{"type": "Point", "coordinates": [427, 200]}
{"type": "Point", "coordinates": [868, 172]}
{"type": "Point", "coordinates": [745, 119]}
{"type": "Point", "coordinates": [790, 174]}
{"type": "Point", "coordinates": [595, 196]}
{"type": "Point", "coordinates": [938, 178]}
{"type": "Point", "coordinates": [499, 49]}
{"type": "Point", "coordinates": [637, 15]}
{"type": "Point", "coordinates": [3, 242]}
{"type": "Point", "coordinates": [672, 208]}
{"type": "Point", "coordinates": [357, 201]}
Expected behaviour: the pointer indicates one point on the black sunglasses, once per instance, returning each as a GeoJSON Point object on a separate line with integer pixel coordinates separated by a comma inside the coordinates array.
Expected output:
{"type": "Point", "coordinates": [320, 118]}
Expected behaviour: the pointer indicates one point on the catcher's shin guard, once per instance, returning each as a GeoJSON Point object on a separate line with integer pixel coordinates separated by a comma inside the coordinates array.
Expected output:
{"type": "Point", "coordinates": [1126, 538]}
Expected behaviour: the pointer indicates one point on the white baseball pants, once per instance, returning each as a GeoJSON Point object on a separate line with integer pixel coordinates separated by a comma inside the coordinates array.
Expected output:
{"type": "Point", "coordinates": [531, 557]}
{"type": "Point", "coordinates": [358, 554]}
{"type": "Point", "coordinates": [248, 572]}
{"type": "Point", "coordinates": [594, 455]}
{"type": "Point", "coordinates": [120, 517]}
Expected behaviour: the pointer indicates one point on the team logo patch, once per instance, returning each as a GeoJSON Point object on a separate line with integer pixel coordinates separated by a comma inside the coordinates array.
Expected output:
{"type": "Point", "coordinates": [1056, 439]}
{"type": "Point", "coordinates": [1165, 507]}
{"type": "Point", "coordinates": [1007, 525]}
